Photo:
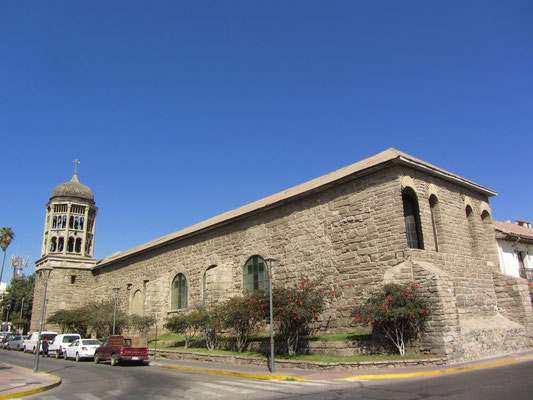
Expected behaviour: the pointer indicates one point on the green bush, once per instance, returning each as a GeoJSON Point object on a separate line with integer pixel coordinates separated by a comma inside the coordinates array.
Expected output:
{"type": "Point", "coordinates": [141, 324]}
{"type": "Point", "coordinates": [187, 325]}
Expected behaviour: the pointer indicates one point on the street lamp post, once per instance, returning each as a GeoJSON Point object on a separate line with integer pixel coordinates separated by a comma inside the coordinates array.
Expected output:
{"type": "Point", "coordinates": [45, 275]}
{"type": "Point", "coordinates": [115, 290]}
{"type": "Point", "coordinates": [270, 261]}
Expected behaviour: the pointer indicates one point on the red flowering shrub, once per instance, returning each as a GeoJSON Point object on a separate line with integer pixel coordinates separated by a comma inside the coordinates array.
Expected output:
{"type": "Point", "coordinates": [243, 314]}
{"type": "Point", "coordinates": [395, 312]}
{"type": "Point", "coordinates": [296, 307]}
{"type": "Point", "coordinates": [210, 324]}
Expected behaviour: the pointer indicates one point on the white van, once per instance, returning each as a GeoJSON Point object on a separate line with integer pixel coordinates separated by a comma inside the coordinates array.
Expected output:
{"type": "Point", "coordinates": [62, 341]}
{"type": "Point", "coordinates": [30, 345]}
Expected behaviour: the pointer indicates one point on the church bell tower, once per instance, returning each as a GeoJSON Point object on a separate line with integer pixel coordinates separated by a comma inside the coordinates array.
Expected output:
{"type": "Point", "coordinates": [67, 249]}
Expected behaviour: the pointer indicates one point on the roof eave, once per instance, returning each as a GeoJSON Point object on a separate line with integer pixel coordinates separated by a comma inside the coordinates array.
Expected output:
{"type": "Point", "coordinates": [445, 176]}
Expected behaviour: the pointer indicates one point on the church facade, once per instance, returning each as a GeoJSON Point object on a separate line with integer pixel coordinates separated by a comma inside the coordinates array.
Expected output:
{"type": "Point", "coordinates": [388, 218]}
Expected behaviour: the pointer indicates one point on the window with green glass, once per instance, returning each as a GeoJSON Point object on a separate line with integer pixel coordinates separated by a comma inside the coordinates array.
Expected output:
{"type": "Point", "coordinates": [179, 292]}
{"type": "Point", "coordinates": [255, 276]}
{"type": "Point", "coordinates": [413, 229]}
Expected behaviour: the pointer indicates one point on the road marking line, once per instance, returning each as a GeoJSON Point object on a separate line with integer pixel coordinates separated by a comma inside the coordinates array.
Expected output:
{"type": "Point", "coordinates": [86, 396]}
{"type": "Point", "coordinates": [203, 392]}
{"type": "Point", "coordinates": [270, 384]}
{"type": "Point", "coordinates": [115, 392]}
{"type": "Point", "coordinates": [224, 386]}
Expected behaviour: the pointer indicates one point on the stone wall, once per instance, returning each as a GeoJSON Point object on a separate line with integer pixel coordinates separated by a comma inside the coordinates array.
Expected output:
{"type": "Point", "coordinates": [67, 288]}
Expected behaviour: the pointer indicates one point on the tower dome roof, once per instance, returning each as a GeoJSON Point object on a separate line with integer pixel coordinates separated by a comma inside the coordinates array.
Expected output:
{"type": "Point", "coordinates": [73, 189]}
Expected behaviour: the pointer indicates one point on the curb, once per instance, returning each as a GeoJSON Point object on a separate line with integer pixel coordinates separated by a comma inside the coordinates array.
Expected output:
{"type": "Point", "coordinates": [445, 371]}
{"type": "Point", "coordinates": [441, 371]}
{"type": "Point", "coordinates": [33, 391]}
{"type": "Point", "coordinates": [241, 374]}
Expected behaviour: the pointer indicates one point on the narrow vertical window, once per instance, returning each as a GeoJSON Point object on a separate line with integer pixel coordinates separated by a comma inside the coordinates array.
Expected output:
{"type": "Point", "coordinates": [412, 220]}
{"type": "Point", "coordinates": [179, 292]}
{"type": "Point", "coordinates": [435, 219]}
{"type": "Point", "coordinates": [254, 275]}
{"type": "Point", "coordinates": [70, 244]}
{"type": "Point", "coordinates": [207, 285]}
{"type": "Point", "coordinates": [471, 229]}
{"type": "Point", "coordinates": [53, 244]}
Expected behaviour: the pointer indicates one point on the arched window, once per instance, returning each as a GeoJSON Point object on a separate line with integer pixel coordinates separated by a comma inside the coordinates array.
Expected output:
{"type": "Point", "coordinates": [179, 293]}
{"type": "Point", "coordinates": [53, 244]}
{"type": "Point", "coordinates": [255, 276]}
{"type": "Point", "coordinates": [475, 230]}
{"type": "Point", "coordinates": [411, 215]}
{"type": "Point", "coordinates": [207, 284]}
{"type": "Point", "coordinates": [70, 244]}
{"type": "Point", "coordinates": [60, 244]}
{"type": "Point", "coordinates": [78, 245]}
{"type": "Point", "coordinates": [137, 303]}
{"type": "Point", "coordinates": [485, 217]}
{"type": "Point", "coordinates": [435, 219]}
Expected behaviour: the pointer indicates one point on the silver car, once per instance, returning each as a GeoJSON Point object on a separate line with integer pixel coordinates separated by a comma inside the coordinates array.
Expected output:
{"type": "Point", "coordinates": [16, 343]}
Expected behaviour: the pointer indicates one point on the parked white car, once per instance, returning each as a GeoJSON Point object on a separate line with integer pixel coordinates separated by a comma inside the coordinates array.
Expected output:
{"type": "Point", "coordinates": [61, 341]}
{"type": "Point", "coordinates": [17, 343]}
{"type": "Point", "coordinates": [82, 348]}
{"type": "Point", "coordinates": [30, 345]}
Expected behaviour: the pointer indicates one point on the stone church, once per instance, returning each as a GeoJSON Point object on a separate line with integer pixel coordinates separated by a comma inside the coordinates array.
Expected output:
{"type": "Point", "coordinates": [388, 218]}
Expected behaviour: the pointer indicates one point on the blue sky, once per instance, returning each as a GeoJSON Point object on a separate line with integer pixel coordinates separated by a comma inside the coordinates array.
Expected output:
{"type": "Point", "coordinates": [179, 111]}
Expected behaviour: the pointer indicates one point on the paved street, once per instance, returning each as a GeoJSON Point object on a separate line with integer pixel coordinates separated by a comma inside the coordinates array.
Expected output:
{"type": "Point", "coordinates": [88, 381]}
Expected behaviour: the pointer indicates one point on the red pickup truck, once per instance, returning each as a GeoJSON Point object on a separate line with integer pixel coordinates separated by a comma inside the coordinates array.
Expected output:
{"type": "Point", "coordinates": [122, 349]}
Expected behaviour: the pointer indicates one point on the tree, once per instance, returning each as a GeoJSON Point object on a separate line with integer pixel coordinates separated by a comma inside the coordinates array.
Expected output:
{"type": "Point", "coordinates": [184, 324]}
{"type": "Point", "coordinates": [6, 237]}
{"type": "Point", "coordinates": [74, 321]}
{"type": "Point", "coordinates": [141, 324]}
{"type": "Point", "coordinates": [395, 312]}
{"type": "Point", "coordinates": [101, 318]}
{"type": "Point", "coordinates": [296, 307]}
{"type": "Point", "coordinates": [20, 288]}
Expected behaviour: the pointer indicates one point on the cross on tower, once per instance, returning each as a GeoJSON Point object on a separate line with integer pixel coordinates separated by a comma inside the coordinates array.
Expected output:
{"type": "Point", "coordinates": [76, 162]}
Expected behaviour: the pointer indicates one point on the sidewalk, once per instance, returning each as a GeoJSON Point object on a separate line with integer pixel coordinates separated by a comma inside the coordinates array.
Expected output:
{"type": "Point", "coordinates": [342, 374]}
{"type": "Point", "coordinates": [16, 382]}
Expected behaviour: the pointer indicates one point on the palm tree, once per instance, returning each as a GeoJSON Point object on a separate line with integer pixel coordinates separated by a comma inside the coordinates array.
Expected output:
{"type": "Point", "coordinates": [6, 237]}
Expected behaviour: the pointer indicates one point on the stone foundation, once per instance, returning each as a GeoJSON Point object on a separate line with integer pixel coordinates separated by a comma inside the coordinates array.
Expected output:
{"type": "Point", "coordinates": [241, 360]}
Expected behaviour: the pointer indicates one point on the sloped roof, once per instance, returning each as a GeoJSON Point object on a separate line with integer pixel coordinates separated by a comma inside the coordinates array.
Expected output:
{"type": "Point", "coordinates": [367, 165]}
{"type": "Point", "coordinates": [513, 231]}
